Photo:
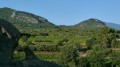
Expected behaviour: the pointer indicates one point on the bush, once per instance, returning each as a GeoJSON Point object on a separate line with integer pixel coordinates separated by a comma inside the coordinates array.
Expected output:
{"type": "Point", "coordinates": [24, 38]}
{"type": "Point", "coordinates": [61, 42]}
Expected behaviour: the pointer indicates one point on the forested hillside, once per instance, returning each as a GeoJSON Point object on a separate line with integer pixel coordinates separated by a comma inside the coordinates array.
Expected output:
{"type": "Point", "coordinates": [23, 20]}
{"type": "Point", "coordinates": [90, 24]}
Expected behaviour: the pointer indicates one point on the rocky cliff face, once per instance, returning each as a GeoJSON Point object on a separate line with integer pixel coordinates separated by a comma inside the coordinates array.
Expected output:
{"type": "Point", "coordinates": [9, 36]}
{"type": "Point", "coordinates": [23, 17]}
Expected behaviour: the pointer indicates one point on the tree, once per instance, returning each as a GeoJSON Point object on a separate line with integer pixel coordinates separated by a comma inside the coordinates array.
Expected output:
{"type": "Point", "coordinates": [114, 43]}
{"type": "Point", "coordinates": [116, 59]}
{"type": "Point", "coordinates": [105, 36]}
{"type": "Point", "coordinates": [96, 60]}
{"type": "Point", "coordinates": [69, 54]}
{"type": "Point", "coordinates": [97, 56]}
{"type": "Point", "coordinates": [83, 62]}
{"type": "Point", "coordinates": [90, 43]}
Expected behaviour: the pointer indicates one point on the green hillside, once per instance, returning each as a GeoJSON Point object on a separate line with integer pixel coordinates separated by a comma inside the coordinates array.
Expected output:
{"type": "Point", "coordinates": [24, 20]}
{"type": "Point", "coordinates": [90, 24]}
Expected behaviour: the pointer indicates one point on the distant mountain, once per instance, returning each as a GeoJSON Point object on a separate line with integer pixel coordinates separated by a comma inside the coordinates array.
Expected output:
{"type": "Point", "coordinates": [24, 20]}
{"type": "Point", "coordinates": [113, 25]}
{"type": "Point", "coordinates": [90, 24]}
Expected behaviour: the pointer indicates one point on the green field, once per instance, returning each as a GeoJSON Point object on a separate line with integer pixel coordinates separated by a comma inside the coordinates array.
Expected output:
{"type": "Point", "coordinates": [97, 48]}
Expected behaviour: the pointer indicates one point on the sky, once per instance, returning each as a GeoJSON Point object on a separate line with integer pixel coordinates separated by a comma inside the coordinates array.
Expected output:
{"type": "Point", "coordinates": [68, 12]}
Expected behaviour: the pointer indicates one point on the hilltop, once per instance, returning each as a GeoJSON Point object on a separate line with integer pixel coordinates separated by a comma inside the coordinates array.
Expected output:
{"type": "Point", "coordinates": [90, 24]}
{"type": "Point", "coordinates": [24, 20]}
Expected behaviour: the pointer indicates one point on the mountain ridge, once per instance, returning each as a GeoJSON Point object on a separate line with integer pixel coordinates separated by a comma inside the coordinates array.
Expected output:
{"type": "Point", "coordinates": [113, 25]}
{"type": "Point", "coordinates": [24, 20]}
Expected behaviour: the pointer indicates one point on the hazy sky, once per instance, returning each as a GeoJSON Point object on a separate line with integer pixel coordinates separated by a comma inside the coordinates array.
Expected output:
{"type": "Point", "coordinates": [68, 12]}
